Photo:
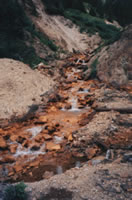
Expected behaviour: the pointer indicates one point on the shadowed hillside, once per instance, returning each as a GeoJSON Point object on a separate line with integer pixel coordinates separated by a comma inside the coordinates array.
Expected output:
{"type": "Point", "coordinates": [24, 34]}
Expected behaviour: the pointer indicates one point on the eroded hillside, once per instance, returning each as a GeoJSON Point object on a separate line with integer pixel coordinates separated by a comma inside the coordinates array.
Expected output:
{"type": "Point", "coordinates": [32, 35]}
{"type": "Point", "coordinates": [62, 31]}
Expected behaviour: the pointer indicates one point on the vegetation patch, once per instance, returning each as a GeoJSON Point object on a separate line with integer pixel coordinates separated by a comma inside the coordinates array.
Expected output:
{"type": "Point", "coordinates": [45, 40]}
{"type": "Point", "coordinates": [17, 34]}
{"type": "Point", "coordinates": [92, 25]}
{"type": "Point", "coordinates": [119, 10]}
{"type": "Point", "coordinates": [16, 192]}
{"type": "Point", "coordinates": [31, 7]}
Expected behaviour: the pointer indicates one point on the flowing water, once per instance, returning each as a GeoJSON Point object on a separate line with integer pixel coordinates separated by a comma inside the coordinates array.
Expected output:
{"type": "Point", "coordinates": [44, 142]}
{"type": "Point", "coordinates": [33, 149]}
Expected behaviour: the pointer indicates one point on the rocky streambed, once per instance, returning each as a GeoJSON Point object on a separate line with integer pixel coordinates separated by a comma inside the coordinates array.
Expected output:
{"type": "Point", "coordinates": [81, 121]}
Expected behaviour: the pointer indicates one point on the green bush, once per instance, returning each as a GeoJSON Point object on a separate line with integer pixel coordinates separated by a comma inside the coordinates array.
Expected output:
{"type": "Point", "coordinates": [16, 192]}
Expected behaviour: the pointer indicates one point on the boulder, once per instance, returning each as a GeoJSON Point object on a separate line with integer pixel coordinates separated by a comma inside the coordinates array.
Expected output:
{"type": "Point", "coordinates": [13, 148]}
{"type": "Point", "coordinates": [91, 152]}
{"type": "Point", "coordinates": [51, 146]}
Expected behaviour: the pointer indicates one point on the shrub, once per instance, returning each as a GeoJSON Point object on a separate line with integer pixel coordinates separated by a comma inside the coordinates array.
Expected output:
{"type": "Point", "coordinates": [16, 192]}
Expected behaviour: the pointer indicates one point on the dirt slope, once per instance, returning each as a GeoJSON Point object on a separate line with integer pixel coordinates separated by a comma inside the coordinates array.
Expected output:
{"type": "Point", "coordinates": [87, 183]}
{"type": "Point", "coordinates": [20, 87]}
{"type": "Point", "coordinates": [62, 31]}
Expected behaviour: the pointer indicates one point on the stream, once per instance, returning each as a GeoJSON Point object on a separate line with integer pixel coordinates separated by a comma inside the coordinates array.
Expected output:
{"type": "Point", "coordinates": [44, 144]}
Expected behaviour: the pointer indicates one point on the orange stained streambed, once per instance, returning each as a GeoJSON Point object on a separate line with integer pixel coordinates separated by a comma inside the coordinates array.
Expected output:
{"type": "Point", "coordinates": [31, 147]}
{"type": "Point", "coordinates": [40, 146]}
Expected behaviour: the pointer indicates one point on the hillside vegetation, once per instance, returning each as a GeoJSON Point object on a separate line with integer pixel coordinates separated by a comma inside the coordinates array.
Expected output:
{"type": "Point", "coordinates": [19, 35]}
{"type": "Point", "coordinates": [119, 10]}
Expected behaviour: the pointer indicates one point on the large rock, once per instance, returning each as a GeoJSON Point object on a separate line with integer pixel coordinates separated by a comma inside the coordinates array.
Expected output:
{"type": "Point", "coordinates": [115, 64]}
{"type": "Point", "coordinates": [51, 146]}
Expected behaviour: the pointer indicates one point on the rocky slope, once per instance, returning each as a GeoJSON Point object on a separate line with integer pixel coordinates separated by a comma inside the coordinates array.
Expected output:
{"type": "Point", "coordinates": [115, 63]}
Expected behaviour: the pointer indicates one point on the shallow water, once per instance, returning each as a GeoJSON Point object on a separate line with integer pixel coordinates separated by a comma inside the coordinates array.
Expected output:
{"type": "Point", "coordinates": [83, 91]}
{"type": "Point", "coordinates": [21, 151]}
{"type": "Point", "coordinates": [58, 140]}
{"type": "Point", "coordinates": [35, 130]}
